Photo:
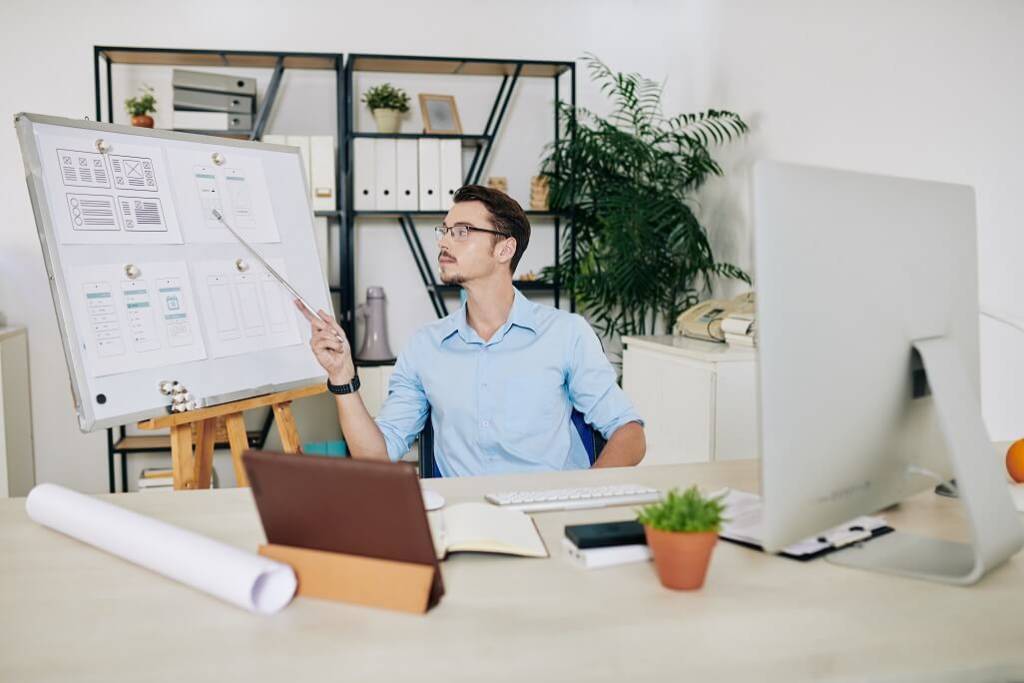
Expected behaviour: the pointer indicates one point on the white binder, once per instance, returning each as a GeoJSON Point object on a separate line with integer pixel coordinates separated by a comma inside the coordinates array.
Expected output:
{"type": "Point", "coordinates": [451, 171]}
{"type": "Point", "coordinates": [302, 142]}
{"type": "Point", "coordinates": [430, 174]}
{"type": "Point", "coordinates": [364, 175]}
{"type": "Point", "coordinates": [275, 139]}
{"type": "Point", "coordinates": [387, 175]}
{"type": "Point", "coordinates": [321, 162]}
{"type": "Point", "coordinates": [407, 164]}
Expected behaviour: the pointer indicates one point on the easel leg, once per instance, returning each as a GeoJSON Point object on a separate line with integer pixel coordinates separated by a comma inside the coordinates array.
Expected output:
{"type": "Point", "coordinates": [181, 457]}
{"type": "Point", "coordinates": [203, 461]}
{"type": "Point", "coordinates": [239, 442]}
{"type": "Point", "coordinates": [286, 427]}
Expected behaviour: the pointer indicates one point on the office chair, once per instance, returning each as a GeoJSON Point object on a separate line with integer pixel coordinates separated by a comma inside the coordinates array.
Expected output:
{"type": "Point", "coordinates": [592, 442]}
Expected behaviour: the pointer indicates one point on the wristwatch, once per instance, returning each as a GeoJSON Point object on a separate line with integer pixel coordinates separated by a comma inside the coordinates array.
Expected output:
{"type": "Point", "coordinates": [342, 389]}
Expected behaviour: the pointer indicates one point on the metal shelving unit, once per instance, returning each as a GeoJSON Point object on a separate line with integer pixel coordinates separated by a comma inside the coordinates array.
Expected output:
{"type": "Point", "coordinates": [510, 71]}
{"type": "Point", "coordinates": [104, 57]}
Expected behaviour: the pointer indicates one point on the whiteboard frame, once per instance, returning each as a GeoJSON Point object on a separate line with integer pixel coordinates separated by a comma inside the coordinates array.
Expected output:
{"type": "Point", "coordinates": [46, 229]}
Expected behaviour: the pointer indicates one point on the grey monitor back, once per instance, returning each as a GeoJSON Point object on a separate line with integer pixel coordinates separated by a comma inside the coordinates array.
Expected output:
{"type": "Point", "coordinates": [865, 284]}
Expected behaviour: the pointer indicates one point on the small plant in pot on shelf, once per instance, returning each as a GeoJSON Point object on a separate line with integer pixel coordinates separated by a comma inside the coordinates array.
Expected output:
{"type": "Point", "coordinates": [682, 531]}
{"type": "Point", "coordinates": [387, 103]}
{"type": "Point", "coordinates": [139, 108]}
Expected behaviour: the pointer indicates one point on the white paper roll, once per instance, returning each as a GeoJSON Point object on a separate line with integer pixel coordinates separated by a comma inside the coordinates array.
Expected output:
{"type": "Point", "coordinates": [242, 578]}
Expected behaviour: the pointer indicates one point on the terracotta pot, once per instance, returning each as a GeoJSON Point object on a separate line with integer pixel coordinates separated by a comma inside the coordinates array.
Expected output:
{"type": "Point", "coordinates": [681, 557]}
{"type": "Point", "coordinates": [388, 120]}
{"type": "Point", "coordinates": [142, 121]}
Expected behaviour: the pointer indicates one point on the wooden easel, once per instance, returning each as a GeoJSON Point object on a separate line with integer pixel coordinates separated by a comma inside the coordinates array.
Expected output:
{"type": "Point", "coordinates": [192, 470]}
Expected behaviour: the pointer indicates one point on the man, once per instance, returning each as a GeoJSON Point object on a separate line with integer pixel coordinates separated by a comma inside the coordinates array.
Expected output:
{"type": "Point", "coordinates": [500, 376]}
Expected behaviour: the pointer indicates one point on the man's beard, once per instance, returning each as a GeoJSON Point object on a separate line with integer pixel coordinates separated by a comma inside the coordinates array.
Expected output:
{"type": "Point", "coordinates": [452, 279]}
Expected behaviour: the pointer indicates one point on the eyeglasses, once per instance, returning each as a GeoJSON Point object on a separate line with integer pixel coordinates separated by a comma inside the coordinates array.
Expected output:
{"type": "Point", "coordinates": [460, 233]}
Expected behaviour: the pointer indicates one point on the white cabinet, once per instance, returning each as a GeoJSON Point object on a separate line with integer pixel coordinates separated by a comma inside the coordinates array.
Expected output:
{"type": "Point", "coordinates": [698, 399]}
{"type": "Point", "coordinates": [17, 462]}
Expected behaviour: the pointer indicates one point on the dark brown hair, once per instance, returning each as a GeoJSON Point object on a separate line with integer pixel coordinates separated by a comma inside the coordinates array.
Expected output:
{"type": "Point", "coordinates": [506, 215]}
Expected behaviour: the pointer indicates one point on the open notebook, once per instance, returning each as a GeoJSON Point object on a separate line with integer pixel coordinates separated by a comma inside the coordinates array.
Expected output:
{"type": "Point", "coordinates": [484, 528]}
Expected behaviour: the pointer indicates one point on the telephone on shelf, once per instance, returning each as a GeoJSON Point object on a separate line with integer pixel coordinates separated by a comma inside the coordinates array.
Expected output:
{"type": "Point", "coordinates": [704, 320]}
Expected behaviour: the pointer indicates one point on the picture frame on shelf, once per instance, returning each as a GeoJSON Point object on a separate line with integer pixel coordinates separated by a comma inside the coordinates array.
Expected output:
{"type": "Point", "coordinates": [440, 115]}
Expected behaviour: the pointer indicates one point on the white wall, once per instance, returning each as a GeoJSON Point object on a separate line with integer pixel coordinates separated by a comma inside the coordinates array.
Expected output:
{"type": "Point", "coordinates": [924, 89]}
{"type": "Point", "coordinates": [46, 67]}
{"type": "Point", "coordinates": [921, 89]}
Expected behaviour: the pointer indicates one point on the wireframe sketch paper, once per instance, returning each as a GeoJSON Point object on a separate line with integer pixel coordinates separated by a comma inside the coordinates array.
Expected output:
{"type": "Point", "coordinates": [237, 188]}
{"type": "Point", "coordinates": [234, 575]}
{"type": "Point", "coordinates": [244, 311]}
{"type": "Point", "coordinates": [122, 197]}
{"type": "Point", "coordinates": [128, 323]}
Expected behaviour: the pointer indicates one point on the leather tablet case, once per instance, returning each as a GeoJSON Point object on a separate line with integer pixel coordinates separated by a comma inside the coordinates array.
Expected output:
{"type": "Point", "coordinates": [341, 505]}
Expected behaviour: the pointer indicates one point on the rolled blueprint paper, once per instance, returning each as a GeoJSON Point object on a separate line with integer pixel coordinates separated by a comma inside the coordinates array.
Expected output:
{"type": "Point", "coordinates": [242, 578]}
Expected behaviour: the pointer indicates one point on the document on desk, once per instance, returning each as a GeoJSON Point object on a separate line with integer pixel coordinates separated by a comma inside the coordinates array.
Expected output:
{"type": "Point", "coordinates": [744, 514]}
{"type": "Point", "coordinates": [241, 578]}
{"type": "Point", "coordinates": [484, 528]}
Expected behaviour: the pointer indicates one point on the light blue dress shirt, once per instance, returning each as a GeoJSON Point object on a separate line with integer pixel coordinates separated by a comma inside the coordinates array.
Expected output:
{"type": "Point", "coordinates": [504, 405]}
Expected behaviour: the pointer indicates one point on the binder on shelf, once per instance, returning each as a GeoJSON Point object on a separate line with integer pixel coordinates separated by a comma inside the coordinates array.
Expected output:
{"type": "Point", "coordinates": [407, 165]}
{"type": "Point", "coordinates": [221, 83]}
{"type": "Point", "coordinates": [451, 170]}
{"type": "Point", "coordinates": [321, 237]}
{"type": "Point", "coordinates": [200, 100]}
{"type": "Point", "coordinates": [386, 175]}
{"type": "Point", "coordinates": [364, 175]}
{"type": "Point", "coordinates": [211, 120]}
{"type": "Point", "coordinates": [321, 163]}
{"type": "Point", "coordinates": [302, 142]}
{"type": "Point", "coordinates": [430, 174]}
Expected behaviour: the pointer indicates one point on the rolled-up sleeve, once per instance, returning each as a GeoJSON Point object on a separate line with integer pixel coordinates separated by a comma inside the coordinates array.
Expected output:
{"type": "Point", "coordinates": [404, 412]}
{"type": "Point", "coordinates": [593, 386]}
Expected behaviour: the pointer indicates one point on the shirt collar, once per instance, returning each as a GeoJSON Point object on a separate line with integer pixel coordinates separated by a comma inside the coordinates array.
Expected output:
{"type": "Point", "coordinates": [521, 315]}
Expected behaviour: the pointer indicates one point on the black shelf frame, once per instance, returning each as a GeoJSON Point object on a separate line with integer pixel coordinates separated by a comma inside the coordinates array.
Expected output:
{"type": "Point", "coordinates": [510, 71]}
{"type": "Point", "coordinates": [104, 56]}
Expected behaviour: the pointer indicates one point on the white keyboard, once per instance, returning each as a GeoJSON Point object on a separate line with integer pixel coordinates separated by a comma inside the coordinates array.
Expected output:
{"type": "Point", "coordinates": [568, 499]}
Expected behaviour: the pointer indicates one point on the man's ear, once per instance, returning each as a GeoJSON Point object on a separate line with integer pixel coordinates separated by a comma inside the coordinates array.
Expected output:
{"type": "Point", "coordinates": [507, 250]}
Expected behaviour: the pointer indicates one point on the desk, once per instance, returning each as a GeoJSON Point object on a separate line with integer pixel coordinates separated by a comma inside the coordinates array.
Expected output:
{"type": "Point", "coordinates": [68, 611]}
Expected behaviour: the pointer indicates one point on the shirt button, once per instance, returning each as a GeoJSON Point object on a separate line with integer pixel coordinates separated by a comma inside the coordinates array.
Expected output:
{"type": "Point", "coordinates": [486, 423]}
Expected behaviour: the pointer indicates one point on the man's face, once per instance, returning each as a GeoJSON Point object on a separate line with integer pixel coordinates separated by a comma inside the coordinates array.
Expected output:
{"type": "Point", "coordinates": [478, 256]}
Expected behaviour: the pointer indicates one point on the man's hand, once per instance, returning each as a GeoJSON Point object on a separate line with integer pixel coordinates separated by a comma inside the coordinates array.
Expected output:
{"type": "Point", "coordinates": [330, 346]}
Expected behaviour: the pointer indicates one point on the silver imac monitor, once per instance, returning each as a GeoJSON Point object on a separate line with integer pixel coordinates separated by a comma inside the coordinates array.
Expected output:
{"type": "Point", "coordinates": [867, 303]}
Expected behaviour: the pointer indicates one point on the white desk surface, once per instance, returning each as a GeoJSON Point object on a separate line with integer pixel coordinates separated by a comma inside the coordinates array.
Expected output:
{"type": "Point", "coordinates": [69, 612]}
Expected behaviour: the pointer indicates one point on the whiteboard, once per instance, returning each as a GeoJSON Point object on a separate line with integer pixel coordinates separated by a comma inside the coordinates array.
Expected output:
{"type": "Point", "coordinates": [148, 287]}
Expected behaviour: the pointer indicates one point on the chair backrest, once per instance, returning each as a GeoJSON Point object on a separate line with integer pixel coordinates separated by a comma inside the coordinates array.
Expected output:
{"type": "Point", "coordinates": [592, 442]}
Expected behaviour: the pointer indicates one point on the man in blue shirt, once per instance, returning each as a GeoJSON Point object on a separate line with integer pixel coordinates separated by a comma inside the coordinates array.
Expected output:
{"type": "Point", "coordinates": [499, 377]}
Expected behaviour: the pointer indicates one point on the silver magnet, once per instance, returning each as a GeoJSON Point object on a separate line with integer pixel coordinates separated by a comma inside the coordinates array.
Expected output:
{"type": "Point", "coordinates": [132, 271]}
{"type": "Point", "coordinates": [166, 387]}
{"type": "Point", "coordinates": [241, 265]}
{"type": "Point", "coordinates": [218, 158]}
{"type": "Point", "coordinates": [102, 146]}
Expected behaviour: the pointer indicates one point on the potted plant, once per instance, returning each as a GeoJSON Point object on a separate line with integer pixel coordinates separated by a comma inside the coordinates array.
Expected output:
{"type": "Point", "coordinates": [682, 531]}
{"type": "Point", "coordinates": [387, 103]}
{"type": "Point", "coordinates": [140, 107]}
{"type": "Point", "coordinates": [630, 180]}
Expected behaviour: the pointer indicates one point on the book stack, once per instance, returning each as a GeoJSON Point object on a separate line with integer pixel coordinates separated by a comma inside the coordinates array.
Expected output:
{"type": "Point", "coordinates": [156, 479]}
{"type": "Point", "coordinates": [740, 329]}
{"type": "Point", "coordinates": [593, 546]}
{"type": "Point", "coordinates": [213, 103]}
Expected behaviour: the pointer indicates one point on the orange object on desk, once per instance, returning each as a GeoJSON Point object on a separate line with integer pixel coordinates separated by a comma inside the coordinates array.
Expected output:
{"type": "Point", "coordinates": [1015, 461]}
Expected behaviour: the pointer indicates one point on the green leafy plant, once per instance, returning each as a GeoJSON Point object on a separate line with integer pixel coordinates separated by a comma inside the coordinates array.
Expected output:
{"type": "Point", "coordinates": [142, 105]}
{"type": "Point", "coordinates": [386, 96]}
{"type": "Point", "coordinates": [688, 511]}
{"type": "Point", "coordinates": [629, 180]}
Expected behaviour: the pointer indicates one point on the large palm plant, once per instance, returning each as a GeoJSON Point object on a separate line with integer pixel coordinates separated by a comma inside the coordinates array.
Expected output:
{"type": "Point", "coordinates": [628, 179]}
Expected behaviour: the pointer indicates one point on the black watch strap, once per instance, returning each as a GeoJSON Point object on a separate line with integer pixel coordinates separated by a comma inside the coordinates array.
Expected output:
{"type": "Point", "coordinates": [342, 389]}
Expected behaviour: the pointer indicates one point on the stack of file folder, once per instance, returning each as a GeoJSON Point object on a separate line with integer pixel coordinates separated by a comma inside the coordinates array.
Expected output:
{"type": "Point", "coordinates": [213, 103]}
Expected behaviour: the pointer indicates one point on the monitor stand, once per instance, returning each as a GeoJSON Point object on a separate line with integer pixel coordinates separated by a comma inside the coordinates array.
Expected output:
{"type": "Point", "coordinates": [996, 529]}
